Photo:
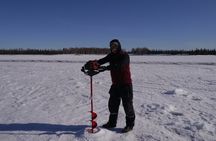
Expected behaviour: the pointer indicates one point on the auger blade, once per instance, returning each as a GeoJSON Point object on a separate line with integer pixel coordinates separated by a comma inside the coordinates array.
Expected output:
{"type": "Point", "coordinates": [94, 115]}
{"type": "Point", "coordinates": [94, 124]}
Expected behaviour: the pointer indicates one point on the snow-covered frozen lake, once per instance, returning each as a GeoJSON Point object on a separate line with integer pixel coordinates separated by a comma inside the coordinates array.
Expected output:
{"type": "Point", "coordinates": [46, 98]}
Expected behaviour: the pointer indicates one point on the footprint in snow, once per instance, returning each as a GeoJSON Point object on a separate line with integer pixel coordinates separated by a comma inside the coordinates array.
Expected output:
{"type": "Point", "coordinates": [184, 93]}
{"type": "Point", "coordinates": [172, 110]}
{"type": "Point", "coordinates": [212, 98]}
{"type": "Point", "coordinates": [98, 82]}
{"type": "Point", "coordinates": [78, 85]}
{"type": "Point", "coordinates": [196, 98]}
{"type": "Point", "coordinates": [152, 108]}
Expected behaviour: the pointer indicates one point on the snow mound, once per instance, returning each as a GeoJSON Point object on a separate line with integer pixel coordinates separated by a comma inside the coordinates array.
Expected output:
{"type": "Point", "coordinates": [176, 92]}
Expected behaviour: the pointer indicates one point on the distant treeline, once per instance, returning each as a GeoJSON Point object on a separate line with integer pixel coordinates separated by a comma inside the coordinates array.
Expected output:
{"type": "Point", "coordinates": [31, 51]}
{"type": "Point", "coordinates": [146, 51]}
{"type": "Point", "coordinates": [84, 50]}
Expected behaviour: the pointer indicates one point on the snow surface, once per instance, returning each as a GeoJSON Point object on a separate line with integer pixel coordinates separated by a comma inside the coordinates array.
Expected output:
{"type": "Point", "coordinates": [46, 98]}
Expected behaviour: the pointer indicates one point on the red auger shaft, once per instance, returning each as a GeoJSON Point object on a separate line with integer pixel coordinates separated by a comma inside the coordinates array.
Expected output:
{"type": "Point", "coordinates": [93, 114]}
{"type": "Point", "coordinates": [91, 102]}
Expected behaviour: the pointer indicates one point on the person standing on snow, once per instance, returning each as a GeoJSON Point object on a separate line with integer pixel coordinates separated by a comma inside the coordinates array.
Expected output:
{"type": "Point", "coordinates": [121, 88]}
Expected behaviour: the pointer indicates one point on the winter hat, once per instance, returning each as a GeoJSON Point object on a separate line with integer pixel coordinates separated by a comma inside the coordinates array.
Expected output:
{"type": "Point", "coordinates": [116, 42]}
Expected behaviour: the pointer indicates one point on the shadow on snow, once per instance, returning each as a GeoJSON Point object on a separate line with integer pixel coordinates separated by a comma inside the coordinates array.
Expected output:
{"type": "Point", "coordinates": [42, 128]}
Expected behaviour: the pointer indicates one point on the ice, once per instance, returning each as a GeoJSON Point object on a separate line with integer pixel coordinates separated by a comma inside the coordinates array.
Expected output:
{"type": "Point", "coordinates": [47, 98]}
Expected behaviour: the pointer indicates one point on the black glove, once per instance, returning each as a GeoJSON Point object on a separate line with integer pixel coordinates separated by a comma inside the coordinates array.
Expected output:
{"type": "Point", "coordinates": [92, 65]}
{"type": "Point", "coordinates": [91, 68]}
{"type": "Point", "coordinates": [102, 68]}
{"type": "Point", "coordinates": [89, 72]}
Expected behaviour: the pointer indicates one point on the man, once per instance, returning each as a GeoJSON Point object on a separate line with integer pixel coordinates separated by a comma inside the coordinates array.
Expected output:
{"type": "Point", "coordinates": [121, 88]}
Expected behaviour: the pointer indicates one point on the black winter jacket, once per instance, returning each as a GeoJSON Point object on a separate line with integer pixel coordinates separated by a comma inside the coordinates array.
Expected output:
{"type": "Point", "coordinates": [119, 67]}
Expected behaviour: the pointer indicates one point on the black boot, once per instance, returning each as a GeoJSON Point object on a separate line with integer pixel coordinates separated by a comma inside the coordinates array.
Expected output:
{"type": "Point", "coordinates": [129, 124]}
{"type": "Point", "coordinates": [109, 125]}
{"type": "Point", "coordinates": [127, 129]}
{"type": "Point", "coordinates": [112, 121]}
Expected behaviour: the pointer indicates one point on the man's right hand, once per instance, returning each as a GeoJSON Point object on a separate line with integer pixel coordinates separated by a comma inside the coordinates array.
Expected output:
{"type": "Point", "coordinates": [94, 65]}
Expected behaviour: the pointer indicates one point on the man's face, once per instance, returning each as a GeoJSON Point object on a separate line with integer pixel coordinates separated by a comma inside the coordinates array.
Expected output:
{"type": "Point", "coordinates": [114, 47]}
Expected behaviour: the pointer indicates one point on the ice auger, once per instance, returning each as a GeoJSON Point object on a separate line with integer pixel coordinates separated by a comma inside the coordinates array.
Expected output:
{"type": "Point", "coordinates": [89, 70]}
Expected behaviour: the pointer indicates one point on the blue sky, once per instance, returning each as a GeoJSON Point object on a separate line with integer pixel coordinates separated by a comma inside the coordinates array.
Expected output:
{"type": "Point", "coordinates": [156, 24]}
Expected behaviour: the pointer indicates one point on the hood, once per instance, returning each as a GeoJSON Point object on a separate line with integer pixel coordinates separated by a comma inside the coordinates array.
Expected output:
{"type": "Point", "coordinates": [117, 42]}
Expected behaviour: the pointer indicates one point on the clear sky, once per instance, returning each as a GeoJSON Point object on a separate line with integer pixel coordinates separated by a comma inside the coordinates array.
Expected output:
{"type": "Point", "coordinates": [156, 24]}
